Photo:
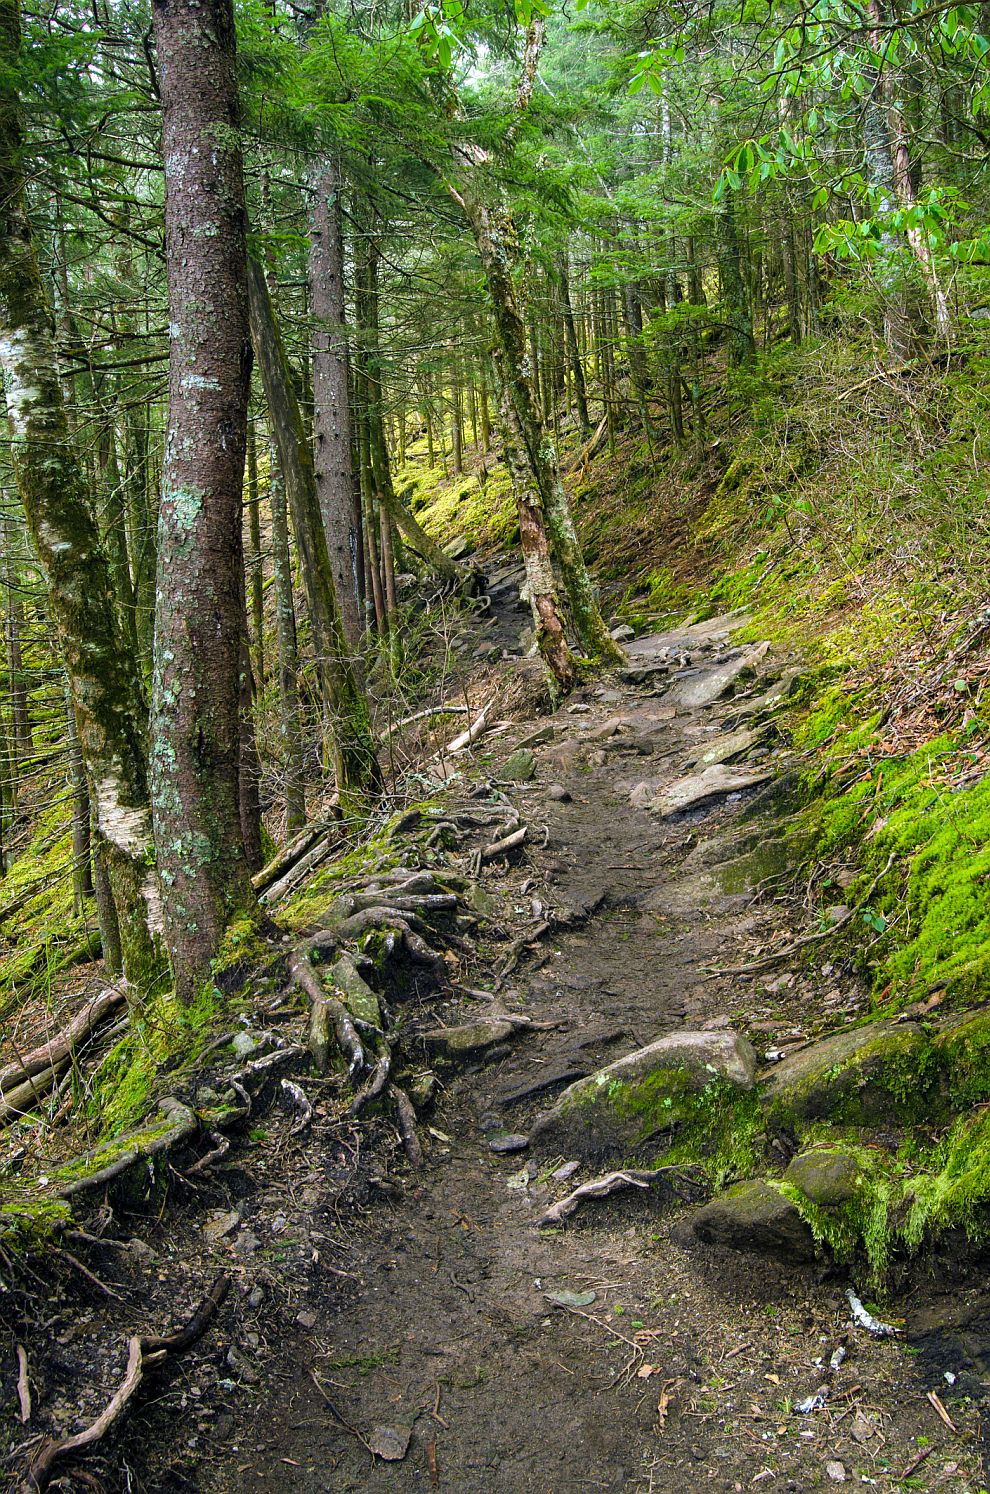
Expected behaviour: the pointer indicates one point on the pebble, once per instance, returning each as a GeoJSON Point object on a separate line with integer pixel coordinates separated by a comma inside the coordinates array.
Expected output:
{"type": "Point", "coordinates": [560, 793]}
{"type": "Point", "coordinates": [503, 1144]}
{"type": "Point", "coordinates": [306, 1319]}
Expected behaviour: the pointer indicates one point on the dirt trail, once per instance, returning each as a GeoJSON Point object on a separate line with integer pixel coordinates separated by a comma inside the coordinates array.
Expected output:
{"type": "Point", "coordinates": [431, 1313]}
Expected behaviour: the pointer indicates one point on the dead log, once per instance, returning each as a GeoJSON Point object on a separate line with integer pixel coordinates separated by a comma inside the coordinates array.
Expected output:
{"type": "Point", "coordinates": [143, 1353]}
{"type": "Point", "coordinates": [290, 854]}
{"type": "Point", "coordinates": [64, 1043]}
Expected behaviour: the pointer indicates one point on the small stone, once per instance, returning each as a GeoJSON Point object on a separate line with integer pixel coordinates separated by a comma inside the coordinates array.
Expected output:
{"type": "Point", "coordinates": [255, 1297]}
{"type": "Point", "coordinates": [755, 1216]}
{"type": "Point", "coordinates": [243, 1043]}
{"type": "Point", "coordinates": [306, 1319]}
{"type": "Point", "coordinates": [390, 1443]}
{"type": "Point", "coordinates": [472, 1037]}
{"type": "Point", "coordinates": [422, 1087]}
{"type": "Point", "coordinates": [519, 766]}
{"type": "Point", "coordinates": [836, 1471]}
{"type": "Point", "coordinates": [537, 738]}
{"type": "Point", "coordinates": [623, 633]}
{"type": "Point", "coordinates": [836, 914]}
{"type": "Point", "coordinates": [558, 792]}
{"type": "Point", "coordinates": [505, 1144]}
{"type": "Point", "coordinates": [242, 1366]}
{"type": "Point", "coordinates": [489, 1121]}
{"type": "Point", "coordinates": [247, 1243]}
{"type": "Point", "coordinates": [221, 1224]}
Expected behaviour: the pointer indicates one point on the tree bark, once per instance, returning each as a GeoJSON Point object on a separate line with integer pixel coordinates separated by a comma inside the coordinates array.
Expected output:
{"type": "Point", "coordinates": [331, 417]}
{"type": "Point", "coordinates": [573, 352]}
{"type": "Point", "coordinates": [199, 610]}
{"type": "Point", "coordinates": [103, 675]}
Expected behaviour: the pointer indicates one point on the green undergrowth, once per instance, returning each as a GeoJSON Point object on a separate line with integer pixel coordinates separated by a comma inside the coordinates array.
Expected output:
{"type": "Point", "coordinates": [41, 932]}
{"type": "Point", "coordinates": [477, 507]}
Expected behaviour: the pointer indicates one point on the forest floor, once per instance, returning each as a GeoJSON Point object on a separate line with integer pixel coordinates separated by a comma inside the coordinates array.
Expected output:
{"type": "Point", "coordinates": [616, 1352]}
{"type": "Point", "coordinates": [428, 1316]}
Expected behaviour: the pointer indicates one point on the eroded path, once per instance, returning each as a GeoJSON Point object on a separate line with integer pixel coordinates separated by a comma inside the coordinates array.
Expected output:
{"type": "Point", "coordinates": [442, 1326]}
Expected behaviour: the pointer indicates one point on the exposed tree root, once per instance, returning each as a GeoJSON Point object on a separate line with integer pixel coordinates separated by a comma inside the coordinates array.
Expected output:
{"type": "Point", "coordinates": [327, 1015]}
{"type": "Point", "coordinates": [374, 1084]}
{"type": "Point", "coordinates": [406, 1116]}
{"type": "Point", "coordinates": [612, 1182]}
{"type": "Point", "coordinates": [182, 1124]}
{"type": "Point", "coordinates": [143, 1353]}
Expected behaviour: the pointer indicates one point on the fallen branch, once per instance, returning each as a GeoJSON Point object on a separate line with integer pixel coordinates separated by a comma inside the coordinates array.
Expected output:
{"type": "Point", "coordinates": [867, 1320]}
{"type": "Point", "coordinates": [504, 846]}
{"type": "Point", "coordinates": [785, 954]}
{"type": "Point", "coordinates": [25, 1082]}
{"type": "Point", "coordinates": [290, 854]}
{"type": "Point", "coordinates": [23, 1386]}
{"type": "Point", "coordinates": [612, 1182]}
{"type": "Point", "coordinates": [436, 710]}
{"type": "Point", "coordinates": [473, 732]}
{"type": "Point", "coordinates": [142, 1354]}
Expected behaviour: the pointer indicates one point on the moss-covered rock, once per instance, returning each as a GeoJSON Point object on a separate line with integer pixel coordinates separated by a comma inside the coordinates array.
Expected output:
{"type": "Point", "coordinates": [646, 1094]}
{"type": "Point", "coordinates": [828, 1177]}
{"type": "Point", "coordinates": [519, 766]}
{"type": "Point", "coordinates": [755, 1216]}
{"type": "Point", "coordinates": [869, 1075]}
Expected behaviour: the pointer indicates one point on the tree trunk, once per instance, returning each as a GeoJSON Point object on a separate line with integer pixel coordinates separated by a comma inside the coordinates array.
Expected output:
{"type": "Point", "coordinates": [573, 352]}
{"type": "Point", "coordinates": [198, 618]}
{"type": "Point", "coordinates": [290, 731]}
{"type": "Point", "coordinates": [82, 868]}
{"type": "Point", "coordinates": [256, 573]}
{"type": "Point", "coordinates": [103, 676]}
{"type": "Point", "coordinates": [354, 749]}
{"type": "Point", "coordinates": [331, 415]}
{"type": "Point", "coordinates": [735, 297]}
{"type": "Point", "coordinates": [880, 173]}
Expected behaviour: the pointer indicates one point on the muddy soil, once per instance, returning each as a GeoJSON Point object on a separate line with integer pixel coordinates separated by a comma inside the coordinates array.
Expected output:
{"type": "Point", "coordinates": [393, 1331]}
{"type": "Point", "coordinates": [663, 1366]}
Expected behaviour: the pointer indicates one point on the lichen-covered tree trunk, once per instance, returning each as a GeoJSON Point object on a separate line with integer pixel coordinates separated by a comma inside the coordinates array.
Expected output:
{"type": "Point", "coordinates": [199, 606]}
{"type": "Point", "coordinates": [110, 711]}
{"type": "Point", "coordinates": [540, 494]}
{"type": "Point", "coordinates": [356, 762]}
{"type": "Point", "coordinates": [331, 417]}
